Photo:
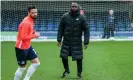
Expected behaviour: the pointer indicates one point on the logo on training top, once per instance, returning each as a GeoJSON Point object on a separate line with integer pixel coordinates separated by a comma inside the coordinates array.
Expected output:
{"type": "Point", "coordinates": [77, 19]}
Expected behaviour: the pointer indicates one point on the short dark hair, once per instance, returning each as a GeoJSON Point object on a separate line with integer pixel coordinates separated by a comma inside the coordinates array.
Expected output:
{"type": "Point", "coordinates": [75, 3]}
{"type": "Point", "coordinates": [31, 7]}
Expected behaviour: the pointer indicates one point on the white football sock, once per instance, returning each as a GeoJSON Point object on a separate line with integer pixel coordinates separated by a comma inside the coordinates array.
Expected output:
{"type": "Point", "coordinates": [31, 70]}
{"type": "Point", "coordinates": [19, 73]}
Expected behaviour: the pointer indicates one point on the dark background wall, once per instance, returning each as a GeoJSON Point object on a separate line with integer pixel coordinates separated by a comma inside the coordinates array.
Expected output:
{"type": "Point", "coordinates": [50, 12]}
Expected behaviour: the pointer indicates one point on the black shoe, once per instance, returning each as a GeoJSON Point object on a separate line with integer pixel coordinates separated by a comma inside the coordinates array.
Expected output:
{"type": "Point", "coordinates": [65, 74]}
{"type": "Point", "coordinates": [79, 76]}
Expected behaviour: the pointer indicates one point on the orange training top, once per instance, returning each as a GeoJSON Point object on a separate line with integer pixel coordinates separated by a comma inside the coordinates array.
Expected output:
{"type": "Point", "coordinates": [25, 33]}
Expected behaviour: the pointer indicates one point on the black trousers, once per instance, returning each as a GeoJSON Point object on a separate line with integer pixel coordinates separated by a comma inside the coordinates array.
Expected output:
{"type": "Point", "coordinates": [108, 32]}
{"type": "Point", "coordinates": [66, 66]}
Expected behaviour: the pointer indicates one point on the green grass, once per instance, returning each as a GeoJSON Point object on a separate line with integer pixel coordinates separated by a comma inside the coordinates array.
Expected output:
{"type": "Point", "coordinates": [102, 61]}
{"type": "Point", "coordinates": [8, 33]}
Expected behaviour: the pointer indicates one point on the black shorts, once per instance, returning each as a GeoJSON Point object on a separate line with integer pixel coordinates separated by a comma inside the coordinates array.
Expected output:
{"type": "Point", "coordinates": [24, 55]}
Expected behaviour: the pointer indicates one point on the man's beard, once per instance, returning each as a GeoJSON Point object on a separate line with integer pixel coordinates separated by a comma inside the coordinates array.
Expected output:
{"type": "Point", "coordinates": [73, 12]}
{"type": "Point", "coordinates": [33, 17]}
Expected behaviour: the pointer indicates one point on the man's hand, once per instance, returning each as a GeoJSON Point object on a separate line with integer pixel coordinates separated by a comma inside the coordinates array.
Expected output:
{"type": "Point", "coordinates": [37, 34]}
{"type": "Point", "coordinates": [85, 46]}
{"type": "Point", "coordinates": [59, 44]}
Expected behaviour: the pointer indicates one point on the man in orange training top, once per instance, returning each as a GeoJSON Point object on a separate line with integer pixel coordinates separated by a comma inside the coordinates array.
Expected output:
{"type": "Point", "coordinates": [23, 48]}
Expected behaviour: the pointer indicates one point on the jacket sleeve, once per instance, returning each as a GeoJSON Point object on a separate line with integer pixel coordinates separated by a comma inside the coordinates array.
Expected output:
{"type": "Point", "coordinates": [86, 31]}
{"type": "Point", "coordinates": [60, 30]}
{"type": "Point", "coordinates": [24, 32]}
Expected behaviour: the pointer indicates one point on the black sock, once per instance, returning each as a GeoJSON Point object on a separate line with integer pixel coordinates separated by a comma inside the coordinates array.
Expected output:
{"type": "Point", "coordinates": [79, 66]}
{"type": "Point", "coordinates": [65, 64]}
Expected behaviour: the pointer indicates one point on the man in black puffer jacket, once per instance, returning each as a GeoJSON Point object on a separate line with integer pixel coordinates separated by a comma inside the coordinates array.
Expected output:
{"type": "Point", "coordinates": [71, 27]}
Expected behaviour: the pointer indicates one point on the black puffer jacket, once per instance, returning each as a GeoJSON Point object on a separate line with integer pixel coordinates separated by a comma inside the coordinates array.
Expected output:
{"type": "Point", "coordinates": [70, 29]}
